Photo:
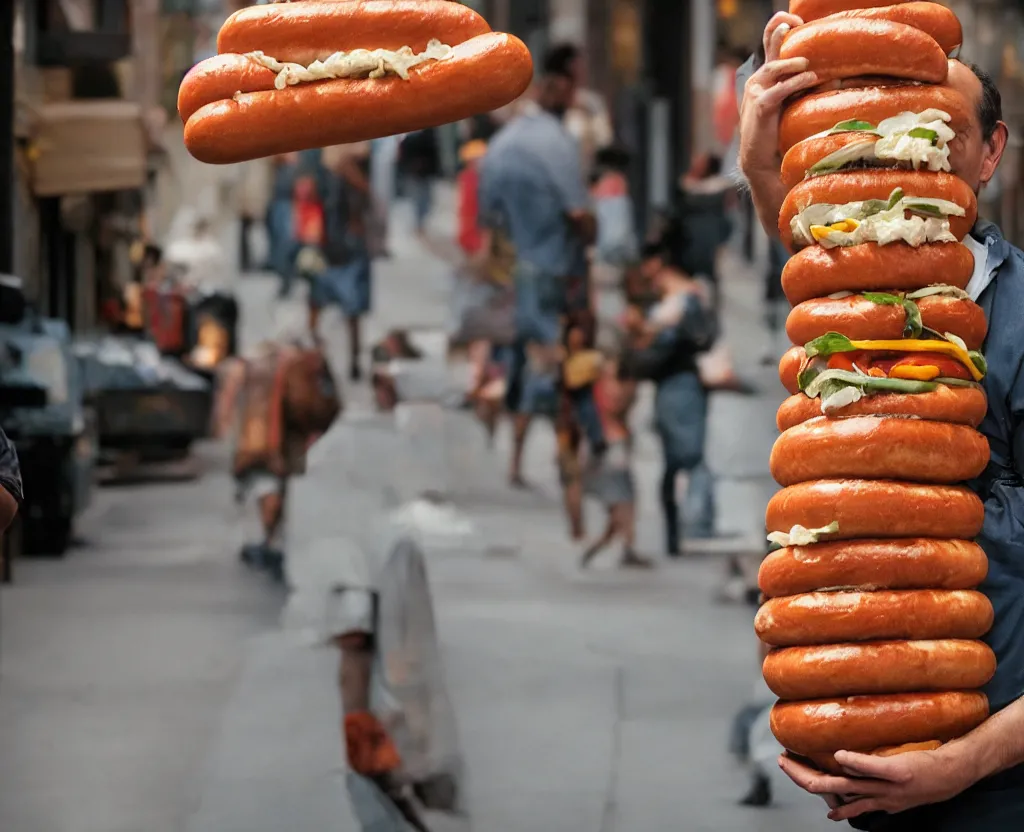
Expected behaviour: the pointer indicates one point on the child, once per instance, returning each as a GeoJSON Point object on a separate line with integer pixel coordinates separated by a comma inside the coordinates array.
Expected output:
{"type": "Point", "coordinates": [616, 230]}
{"type": "Point", "coordinates": [612, 483]}
{"type": "Point", "coordinates": [580, 371]}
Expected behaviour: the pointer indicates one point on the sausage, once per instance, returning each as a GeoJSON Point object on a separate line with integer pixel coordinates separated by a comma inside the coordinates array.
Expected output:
{"type": "Point", "coordinates": [878, 667]}
{"type": "Point", "coordinates": [959, 405]}
{"type": "Point", "coordinates": [866, 723]}
{"type": "Point", "coordinates": [855, 186]}
{"type": "Point", "coordinates": [878, 508]}
{"type": "Point", "coordinates": [815, 272]}
{"type": "Point", "coordinates": [914, 563]}
{"type": "Point", "coordinates": [860, 319]}
{"type": "Point", "coordinates": [878, 447]}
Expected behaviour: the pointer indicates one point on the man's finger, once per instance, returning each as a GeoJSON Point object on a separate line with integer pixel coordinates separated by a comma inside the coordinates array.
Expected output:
{"type": "Point", "coordinates": [891, 769]}
{"type": "Point", "coordinates": [774, 70]}
{"type": "Point", "coordinates": [817, 783]}
{"type": "Point", "coordinates": [776, 30]}
{"type": "Point", "coordinates": [773, 97]}
{"type": "Point", "coordinates": [833, 801]}
{"type": "Point", "coordinates": [856, 808]}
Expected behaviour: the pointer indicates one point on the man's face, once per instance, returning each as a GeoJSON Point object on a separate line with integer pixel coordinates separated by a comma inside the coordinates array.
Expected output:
{"type": "Point", "coordinates": [973, 158]}
{"type": "Point", "coordinates": [651, 268]}
{"type": "Point", "coordinates": [558, 94]}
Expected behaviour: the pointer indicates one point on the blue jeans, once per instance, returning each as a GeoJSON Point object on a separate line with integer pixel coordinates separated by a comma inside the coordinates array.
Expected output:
{"type": "Point", "coordinates": [283, 248]}
{"type": "Point", "coordinates": [539, 301]}
{"type": "Point", "coordinates": [680, 408]}
{"type": "Point", "coordinates": [420, 189]}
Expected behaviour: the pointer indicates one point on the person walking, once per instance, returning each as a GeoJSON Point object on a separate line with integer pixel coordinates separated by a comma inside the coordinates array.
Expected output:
{"type": "Point", "coordinates": [347, 280]}
{"type": "Point", "coordinates": [976, 782]}
{"type": "Point", "coordinates": [285, 170]}
{"type": "Point", "coordinates": [532, 187]}
{"type": "Point", "coordinates": [254, 194]}
{"type": "Point", "coordinates": [420, 162]}
{"type": "Point", "coordinates": [664, 350]}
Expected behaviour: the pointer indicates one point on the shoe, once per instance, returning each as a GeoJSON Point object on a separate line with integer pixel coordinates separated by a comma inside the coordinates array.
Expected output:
{"type": "Point", "coordinates": [273, 564]}
{"type": "Point", "coordinates": [252, 554]}
{"type": "Point", "coordinates": [631, 560]}
{"type": "Point", "coordinates": [760, 793]}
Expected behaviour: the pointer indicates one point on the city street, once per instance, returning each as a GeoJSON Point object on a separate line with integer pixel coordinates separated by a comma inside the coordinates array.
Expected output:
{"type": "Point", "coordinates": [147, 686]}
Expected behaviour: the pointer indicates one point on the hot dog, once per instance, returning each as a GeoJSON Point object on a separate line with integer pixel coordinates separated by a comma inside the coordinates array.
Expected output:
{"type": "Point", "coordinates": [886, 206]}
{"type": "Point", "coordinates": [865, 723]}
{"type": "Point", "coordinates": [816, 272]}
{"type": "Point", "coordinates": [345, 72]}
{"type": "Point", "coordinates": [917, 141]}
{"type": "Point", "coordinates": [878, 447]}
{"type": "Point", "coordinates": [888, 315]}
{"type": "Point", "coordinates": [808, 10]}
{"type": "Point", "coordinates": [915, 563]}
{"type": "Point", "coordinates": [878, 667]}
{"type": "Point", "coordinates": [958, 405]}
{"type": "Point", "coordinates": [931, 18]}
{"type": "Point", "coordinates": [842, 48]}
{"type": "Point", "coordinates": [821, 112]}
{"type": "Point", "coordinates": [876, 508]}
{"type": "Point", "coordinates": [832, 617]}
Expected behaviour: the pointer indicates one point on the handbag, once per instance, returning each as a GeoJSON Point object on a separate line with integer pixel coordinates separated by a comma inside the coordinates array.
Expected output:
{"type": "Point", "coordinates": [716, 370]}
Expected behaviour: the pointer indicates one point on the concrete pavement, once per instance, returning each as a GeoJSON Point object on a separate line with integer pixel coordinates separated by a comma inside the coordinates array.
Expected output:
{"type": "Point", "coordinates": [147, 687]}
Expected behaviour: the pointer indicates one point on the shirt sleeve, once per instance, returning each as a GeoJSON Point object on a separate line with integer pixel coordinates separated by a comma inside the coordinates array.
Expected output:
{"type": "Point", "coordinates": [10, 470]}
{"type": "Point", "coordinates": [567, 175]}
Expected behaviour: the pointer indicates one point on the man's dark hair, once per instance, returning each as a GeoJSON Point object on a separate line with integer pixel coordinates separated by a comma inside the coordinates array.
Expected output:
{"type": "Point", "coordinates": [560, 59]}
{"type": "Point", "coordinates": [990, 108]}
{"type": "Point", "coordinates": [613, 157]}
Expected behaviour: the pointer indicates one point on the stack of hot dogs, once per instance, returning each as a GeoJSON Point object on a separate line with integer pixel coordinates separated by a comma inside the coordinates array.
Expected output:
{"type": "Point", "coordinates": [315, 73]}
{"type": "Point", "coordinates": [872, 610]}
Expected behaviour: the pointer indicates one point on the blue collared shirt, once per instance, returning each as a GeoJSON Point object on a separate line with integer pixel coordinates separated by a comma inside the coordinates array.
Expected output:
{"type": "Point", "coordinates": [530, 179]}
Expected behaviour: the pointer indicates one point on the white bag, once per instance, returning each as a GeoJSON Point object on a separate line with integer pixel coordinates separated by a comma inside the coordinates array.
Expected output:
{"type": "Point", "coordinates": [715, 368]}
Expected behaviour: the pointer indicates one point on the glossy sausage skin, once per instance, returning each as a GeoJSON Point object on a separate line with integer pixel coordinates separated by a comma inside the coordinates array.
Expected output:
{"type": "Point", "coordinates": [934, 20]}
{"type": "Point", "coordinates": [878, 447]}
{"type": "Point", "coordinates": [808, 10]}
{"type": "Point", "coordinates": [815, 272]}
{"type": "Point", "coordinates": [866, 723]}
{"type": "Point", "coordinates": [860, 319]}
{"type": "Point", "coordinates": [878, 667]}
{"type": "Point", "coordinates": [913, 563]}
{"type": "Point", "coordinates": [834, 617]}
{"type": "Point", "coordinates": [878, 508]}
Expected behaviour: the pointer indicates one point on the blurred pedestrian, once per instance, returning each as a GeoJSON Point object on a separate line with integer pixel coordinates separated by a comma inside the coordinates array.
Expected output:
{"type": "Point", "coordinates": [384, 185]}
{"type": "Point", "coordinates": [532, 185]}
{"type": "Point", "coordinates": [347, 280]}
{"type": "Point", "coordinates": [704, 200]}
{"type": "Point", "coordinates": [664, 350]}
{"type": "Point", "coordinates": [420, 161]}
{"type": "Point", "coordinates": [254, 194]}
{"type": "Point", "coordinates": [285, 170]}
{"type": "Point", "coordinates": [612, 480]}
{"type": "Point", "coordinates": [10, 482]}
{"type": "Point", "coordinates": [277, 402]}
{"type": "Point", "coordinates": [587, 119]}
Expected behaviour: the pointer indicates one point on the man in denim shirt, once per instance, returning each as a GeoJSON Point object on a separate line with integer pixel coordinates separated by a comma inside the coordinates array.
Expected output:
{"type": "Point", "coordinates": [975, 783]}
{"type": "Point", "coordinates": [10, 482]}
{"type": "Point", "coordinates": [532, 187]}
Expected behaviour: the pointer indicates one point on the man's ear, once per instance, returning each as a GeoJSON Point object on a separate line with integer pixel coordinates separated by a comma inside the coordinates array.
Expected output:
{"type": "Point", "coordinates": [994, 148]}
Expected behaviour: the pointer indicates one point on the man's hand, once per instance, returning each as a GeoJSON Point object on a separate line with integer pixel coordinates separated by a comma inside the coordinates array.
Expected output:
{"type": "Point", "coordinates": [887, 784]}
{"type": "Point", "coordinates": [766, 91]}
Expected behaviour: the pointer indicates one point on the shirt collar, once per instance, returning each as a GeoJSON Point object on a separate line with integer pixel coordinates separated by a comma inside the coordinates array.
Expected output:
{"type": "Point", "coordinates": [990, 251]}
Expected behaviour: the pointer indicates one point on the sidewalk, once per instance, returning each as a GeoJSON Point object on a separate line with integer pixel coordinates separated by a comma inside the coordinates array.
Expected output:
{"type": "Point", "coordinates": [590, 702]}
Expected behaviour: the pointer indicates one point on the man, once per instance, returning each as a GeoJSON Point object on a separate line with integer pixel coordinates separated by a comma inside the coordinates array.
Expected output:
{"type": "Point", "coordinates": [532, 188]}
{"type": "Point", "coordinates": [587, 119]}
{"type": "Point", "coordinates": [976, 782]}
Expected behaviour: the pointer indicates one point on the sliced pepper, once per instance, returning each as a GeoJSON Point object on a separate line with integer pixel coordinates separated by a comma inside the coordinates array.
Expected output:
{"type": "Point", "coordinates": [920, 372]}
{"type": "Point", "coordinates": [917, 345]}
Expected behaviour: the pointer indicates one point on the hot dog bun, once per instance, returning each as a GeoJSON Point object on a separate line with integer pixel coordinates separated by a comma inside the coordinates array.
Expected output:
{"type": "Point", "coordinates": [815, 272]}
{"type": "Point", "coordinates": [878, 447]}
{"type": "Point", "coordinates": [482, 74]}
{"type": "Point", "coordinates": [832, 617]}
{"type": "Point", "coordinates": [808, 10]}
{"type": "Point", "coordinates": [855, 186]}
{"type": "Point", "coordinates": [915, 563]}
{"type": "Point", "coordinates": [816, 113]}
{"type": "Point", "coordinates": [804, 155]}
{"type": "Point", "coordinates": [841, 48]}
{"type": "Point", "coordinates": [877, 508]}
{"type": "Point", "coordinates": [931, 18]}
{"type": "Point", "coordinates": [865, 723]}
{"type": "Point", "coordinates": [860, 319]}
{"type": "Point", "coordinates": [824, 671]}
{"type": "Point", "coordinates": [958, 405]}
{"type": "Point", "coordinates": [313, 29]}
{"type": "Point", "coordinates": [219, 78]}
